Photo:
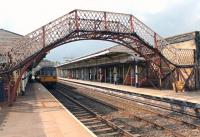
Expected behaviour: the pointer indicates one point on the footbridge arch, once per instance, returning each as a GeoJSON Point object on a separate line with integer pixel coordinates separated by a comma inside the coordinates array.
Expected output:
{"type": "Point", "coordinates": [124, 29]}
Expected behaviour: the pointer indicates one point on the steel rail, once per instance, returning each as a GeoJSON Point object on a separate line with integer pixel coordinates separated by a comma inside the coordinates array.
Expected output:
{"type": "Point", "coordinates": [115, 92]}
{"type": "Point", "coordinates": [151, 122]}
{"type": "Point", "coordinates": [114, 126]}
{"type": "Point", "coordinates": [146, 110]}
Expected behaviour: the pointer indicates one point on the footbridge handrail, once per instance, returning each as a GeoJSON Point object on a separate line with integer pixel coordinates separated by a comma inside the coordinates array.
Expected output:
{"type": "Point", "coordinates": [91, 21]}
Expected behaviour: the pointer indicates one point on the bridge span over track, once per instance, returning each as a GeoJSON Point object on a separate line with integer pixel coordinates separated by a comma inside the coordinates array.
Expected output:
{"type": "Point", "coordinates": [125, 29]}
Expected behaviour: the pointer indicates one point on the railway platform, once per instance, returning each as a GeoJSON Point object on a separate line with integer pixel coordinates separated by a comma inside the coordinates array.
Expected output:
{"type": "Point", "coordinates": [188, 99]}
{"type": "Point", "coordinates": [39, 114]}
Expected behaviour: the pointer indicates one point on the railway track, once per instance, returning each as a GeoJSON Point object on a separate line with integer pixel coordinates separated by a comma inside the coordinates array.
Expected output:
{"type": "Point", "coordinates": [90, 118]}
{"type": "Point", "coordinates": [127, 95]}
{"type": "Point", "coordinates": [178, 127]}
{"type": "Point", "coordinates": [148, 103]}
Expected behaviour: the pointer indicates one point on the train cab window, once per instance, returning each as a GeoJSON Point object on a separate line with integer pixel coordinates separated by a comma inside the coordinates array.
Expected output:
{"type": "Point", "coordinates": [47, 71]}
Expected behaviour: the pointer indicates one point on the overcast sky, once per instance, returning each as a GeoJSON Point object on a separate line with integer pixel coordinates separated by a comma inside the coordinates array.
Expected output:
{"type": "Point", "coordinates": [166, 17]}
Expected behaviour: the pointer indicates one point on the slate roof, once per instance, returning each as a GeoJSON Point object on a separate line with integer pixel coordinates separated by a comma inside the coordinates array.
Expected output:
{"type": "Point", "coordinates": [7, 38]}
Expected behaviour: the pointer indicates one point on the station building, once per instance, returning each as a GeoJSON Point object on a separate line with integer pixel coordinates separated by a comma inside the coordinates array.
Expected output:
{"type": "Point", "coordinates": [120, 65]}
{"type": "Point", "coordinates": [7, 38]}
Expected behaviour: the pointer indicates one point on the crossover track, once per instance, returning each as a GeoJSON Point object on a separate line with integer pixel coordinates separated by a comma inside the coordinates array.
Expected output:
{"type": "Point", "coordinates": [145, 114]}
{"type": "Point", "coordinates": [94, 121]}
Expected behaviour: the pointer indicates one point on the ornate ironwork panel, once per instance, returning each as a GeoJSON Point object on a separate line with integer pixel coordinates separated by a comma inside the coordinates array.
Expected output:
{"type": "Point", "coordinates": [121, 28]}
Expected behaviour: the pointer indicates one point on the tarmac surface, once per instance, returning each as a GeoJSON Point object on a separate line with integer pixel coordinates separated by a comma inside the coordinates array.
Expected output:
{"type": "Point", "coordinates": [39, 114]}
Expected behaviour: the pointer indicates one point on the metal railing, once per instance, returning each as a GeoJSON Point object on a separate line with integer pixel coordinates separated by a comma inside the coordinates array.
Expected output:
{"type": "Point", "coordinates": [91, 21]}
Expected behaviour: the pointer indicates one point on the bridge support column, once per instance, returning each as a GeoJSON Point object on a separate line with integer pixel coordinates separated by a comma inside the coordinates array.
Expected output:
{"type": "Point", "coordinates": [16, 84]}
{"type": "Point", "coordinates": [7, 87]}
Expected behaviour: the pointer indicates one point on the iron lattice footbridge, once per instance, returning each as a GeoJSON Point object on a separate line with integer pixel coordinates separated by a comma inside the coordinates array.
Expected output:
{"type": "Point", "coordinates": [124, 29]}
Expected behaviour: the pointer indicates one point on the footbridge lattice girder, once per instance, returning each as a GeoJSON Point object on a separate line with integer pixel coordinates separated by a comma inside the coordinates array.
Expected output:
{"type": "Point", "coordinates": [124, 29]}
{"type": "Point", "coordinates": [96, 22]}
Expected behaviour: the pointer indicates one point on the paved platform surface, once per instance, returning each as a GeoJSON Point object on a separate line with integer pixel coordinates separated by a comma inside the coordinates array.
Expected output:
{"type": "Point", "coordinates": [39, 114]}
{"type": "Point", "coordinates": [193, 98]}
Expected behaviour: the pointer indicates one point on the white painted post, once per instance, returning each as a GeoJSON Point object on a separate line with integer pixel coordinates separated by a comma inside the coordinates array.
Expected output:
{"type": "Point", "coordinates": [110, 75]}
{"type": "Point", "coordinates": [115, 74]}
{"type": "Point", "coordinates": [123, 74]}
{"type": "Point", "coordinates": [136, 74]}
{"type": "Point", "coordinates": [105, 74]}
{"type": "Point", "coordinates": [90, 73]}
{"type": "Point", "coordinates": [82, 73]}
{"type": "Point", "coordinates": [23, 82]}
{"type": "Point", "coordinates": [131, 76]}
